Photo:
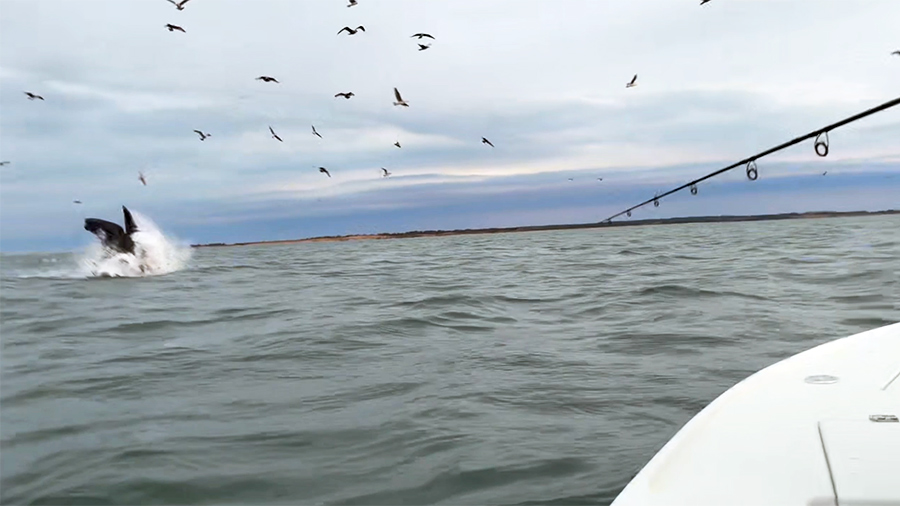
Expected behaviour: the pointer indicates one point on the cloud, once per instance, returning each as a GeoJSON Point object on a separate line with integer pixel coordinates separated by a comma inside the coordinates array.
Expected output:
{"type": "Point", "coordinates": [546, 85]}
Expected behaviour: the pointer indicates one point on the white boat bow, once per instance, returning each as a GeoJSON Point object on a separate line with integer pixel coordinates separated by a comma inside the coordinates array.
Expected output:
{"type": "Point", "coordinates": [818, 428]}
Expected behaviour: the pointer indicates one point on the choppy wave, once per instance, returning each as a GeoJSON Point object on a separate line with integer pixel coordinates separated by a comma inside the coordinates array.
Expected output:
{"type": "Point", "coordinates": [544, 368]}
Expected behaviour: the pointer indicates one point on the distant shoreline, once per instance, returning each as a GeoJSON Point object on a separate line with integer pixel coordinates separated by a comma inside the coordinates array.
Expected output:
{"type": "Point", "coordinates": [537, 228]}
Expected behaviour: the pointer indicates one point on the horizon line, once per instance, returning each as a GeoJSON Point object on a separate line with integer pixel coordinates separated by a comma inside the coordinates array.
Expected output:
{"type": "Point", "coordinates": [722, 218]}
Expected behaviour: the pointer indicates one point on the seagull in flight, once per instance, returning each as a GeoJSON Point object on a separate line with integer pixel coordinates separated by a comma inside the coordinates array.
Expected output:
{"type": "Point", "coordinates": [896, 53]}
{"type": "Point", "coordinates": [397, 144]}
{"type": "Point", "coordinates": [32, 96]}
{"type": "Point", "coordinates": [346, 95]}
{"type": "Point", "coordinates": [172, 28]}
{"type": "Point", "coordinates": [420, 35]}
{"type": "Point", "coordinates": [385, 172]}
{"type": "Point", "coordinates": [703, 2]}
{"type": "Point", "coordinates": [351, 31]}
{"type": "Point", "coordinates": [141, 178]}
{"type": "Point", "coordinates": [400, 100]}
{"type": "Point", "coordinates": [352, 3]}
{"type": "Point", "coordinates": [633, 82]}
{"type": "Point", "coordinates": [316, 133]}
{"type": "Point", "coordinates": [323, 170]}
{"type": "Point", "coordinates": [202, 135]}
{"type": "Point", "coordinates": [485, 141]}
{"type": "Point", "coordinates": [274, 135]}
{"type": "Point", "coordinates": [267, 79]}
{"type": "Point", "coordinates": [423, 47]}
{"type": "Point", "coordinates": [179, 5]}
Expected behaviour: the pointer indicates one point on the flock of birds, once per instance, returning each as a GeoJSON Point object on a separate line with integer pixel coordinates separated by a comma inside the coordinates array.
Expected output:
{"type": "Point", "coordinates": [347, 95]}
{"type": "Point", "coordinates": [398, 98]}
{"type": "Point", "coordinates": [399, 101]}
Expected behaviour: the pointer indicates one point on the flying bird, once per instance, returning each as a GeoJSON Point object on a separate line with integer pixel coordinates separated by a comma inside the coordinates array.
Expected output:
{"type": "Point", "coordinates": [316, 133]}
{"type": "Point", "coordinates": [142, 178]}
{"type": "Point", "coordinates": [570, 179]}
{"type": "Point", "coordinates": [172, 28]}
{"type": "Point", "coordinates": [267, 79]}
{"type": "Point", "coordinates": [274, 135]}
{"type": "Point", "coordinates": [826, 172]}
{"type": "Point", "coordinates": [3, 164]}
{"type": "Point", "coordinates": [703, 2]}
{"type": "Point", "coordinates": [423, 47]}
{"type": "Point", "coordinates": [599, 179]}
{"type": "Point", "coordinates": [385, 172]}
{"type": "Point", "coordinates": [346, 95]}
{"type": "Point", "coordinates": [32, 96]}
{"type": "Point", "coordinates": [633, 82]}
{"type": "Point", "coordinates": [179, 5]}
{"type": "Point", "coordinates": [485, 141]}
{"type": "Point", "coordinates": [202, 135]}
{"type": "Point", "coordinates": [896, 53]}
{"type": "Point", "coordinates": [76, 201]}
{"type": "Point", "coordinates": [420, 35]}
{"type": "Point", "coordinates": [397, 144]}
{"type": "Point", "coordinates": [352, 3]}
{"type": "Point", "coordinates": [351, 31]}
{"type": "Point", "coordinates": [323, 170]}
{"type": "Point", "coordinates": [400, 100]}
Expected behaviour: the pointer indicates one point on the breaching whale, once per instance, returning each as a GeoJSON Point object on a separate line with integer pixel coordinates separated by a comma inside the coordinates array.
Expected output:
{"type": "Point", "coordinates": [111, 235]}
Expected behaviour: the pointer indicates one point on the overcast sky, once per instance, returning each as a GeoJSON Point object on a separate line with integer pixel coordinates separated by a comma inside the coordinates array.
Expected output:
{"type": "Point", "coordinates": [544, 80]}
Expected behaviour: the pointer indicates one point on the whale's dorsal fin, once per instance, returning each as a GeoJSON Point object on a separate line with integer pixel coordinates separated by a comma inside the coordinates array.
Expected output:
{"type": "Point", "coordinates": [130, 227]}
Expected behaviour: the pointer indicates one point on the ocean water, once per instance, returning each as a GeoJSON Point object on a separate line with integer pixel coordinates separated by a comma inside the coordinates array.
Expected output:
{"type": "Point", "coordinates": [529, 368]}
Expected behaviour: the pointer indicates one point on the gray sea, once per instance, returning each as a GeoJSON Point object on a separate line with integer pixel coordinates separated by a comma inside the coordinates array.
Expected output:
{"type": "Point", "coordinates": [525, 368]}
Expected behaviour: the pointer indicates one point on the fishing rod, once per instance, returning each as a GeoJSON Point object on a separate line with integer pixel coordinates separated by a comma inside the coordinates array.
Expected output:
{"type": "Point", "coordinates": [820, 146]}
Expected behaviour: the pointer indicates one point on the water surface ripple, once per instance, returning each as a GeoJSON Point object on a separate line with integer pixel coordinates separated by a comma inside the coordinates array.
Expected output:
{"type": "Point", "coordinates": [530, 368]}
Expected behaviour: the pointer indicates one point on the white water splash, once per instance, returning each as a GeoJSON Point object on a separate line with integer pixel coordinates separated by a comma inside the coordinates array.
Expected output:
{"type": "Point", "coordinates": [154, 254]}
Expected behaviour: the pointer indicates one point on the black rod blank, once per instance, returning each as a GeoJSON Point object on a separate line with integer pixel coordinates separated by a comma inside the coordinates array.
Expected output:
{"type": "Point", "coordinates": [751, 161]}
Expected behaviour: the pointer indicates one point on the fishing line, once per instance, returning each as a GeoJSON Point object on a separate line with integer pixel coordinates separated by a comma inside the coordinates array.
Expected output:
{"type": "Point", "coordinates": [821, 147]}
